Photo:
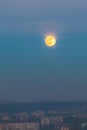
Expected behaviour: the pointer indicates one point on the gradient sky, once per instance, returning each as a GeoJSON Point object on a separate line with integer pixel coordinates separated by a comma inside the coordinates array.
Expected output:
{"type": "Point", "coordinates": [30, 71]}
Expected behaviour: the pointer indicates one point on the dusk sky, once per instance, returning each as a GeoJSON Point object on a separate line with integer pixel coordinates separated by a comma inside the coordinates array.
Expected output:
{"type": "Point", "coordinates": [31, 71]}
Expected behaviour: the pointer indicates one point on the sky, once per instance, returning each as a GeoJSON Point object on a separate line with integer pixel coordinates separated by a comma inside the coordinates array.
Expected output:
{"type": "Point", "coordinates": [31, 71]}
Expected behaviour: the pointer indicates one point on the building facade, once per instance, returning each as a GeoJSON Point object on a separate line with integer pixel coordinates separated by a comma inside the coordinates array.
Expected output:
{"type": "Point", "coordinates": [19, 126]}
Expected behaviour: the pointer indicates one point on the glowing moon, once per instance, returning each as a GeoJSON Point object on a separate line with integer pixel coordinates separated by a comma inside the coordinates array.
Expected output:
{"type": "Point", "coordinates": [50, 41]}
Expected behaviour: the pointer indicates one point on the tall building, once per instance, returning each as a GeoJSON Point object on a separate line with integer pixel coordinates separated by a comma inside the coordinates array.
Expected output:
{"type": "Point", "coordinates": [76, 123]}
{"type": "Point", "coordinates": [44, 121]}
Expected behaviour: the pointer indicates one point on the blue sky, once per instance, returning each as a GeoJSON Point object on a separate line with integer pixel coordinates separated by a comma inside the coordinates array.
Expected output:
{"type": "Point", "coordinates": [30, 71]}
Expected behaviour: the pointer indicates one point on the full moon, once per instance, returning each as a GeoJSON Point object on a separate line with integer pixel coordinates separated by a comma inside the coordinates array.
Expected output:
{"type": "Point", "coordinates": [50, 41]}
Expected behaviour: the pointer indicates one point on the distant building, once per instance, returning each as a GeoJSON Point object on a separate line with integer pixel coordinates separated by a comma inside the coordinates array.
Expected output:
{"type": "Point", "coordinates": [45, 121]}
{"type": "Point", "coordinates": [19, 126]}
{"type": "Point", "coordinates": [56, 120]}
{"type": "Point", "coordinates": [22, 116]}
{"type": "Point", "coordinates": [65, 127]}
{"type": "Point", "coordinates": [77, 123]}
{"type": "Point", "coordinates": [39, 113]}
{"type": "Point", "coordinates": [5, 118]}
{"type": "Point", "coordinates": [84, 126]}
